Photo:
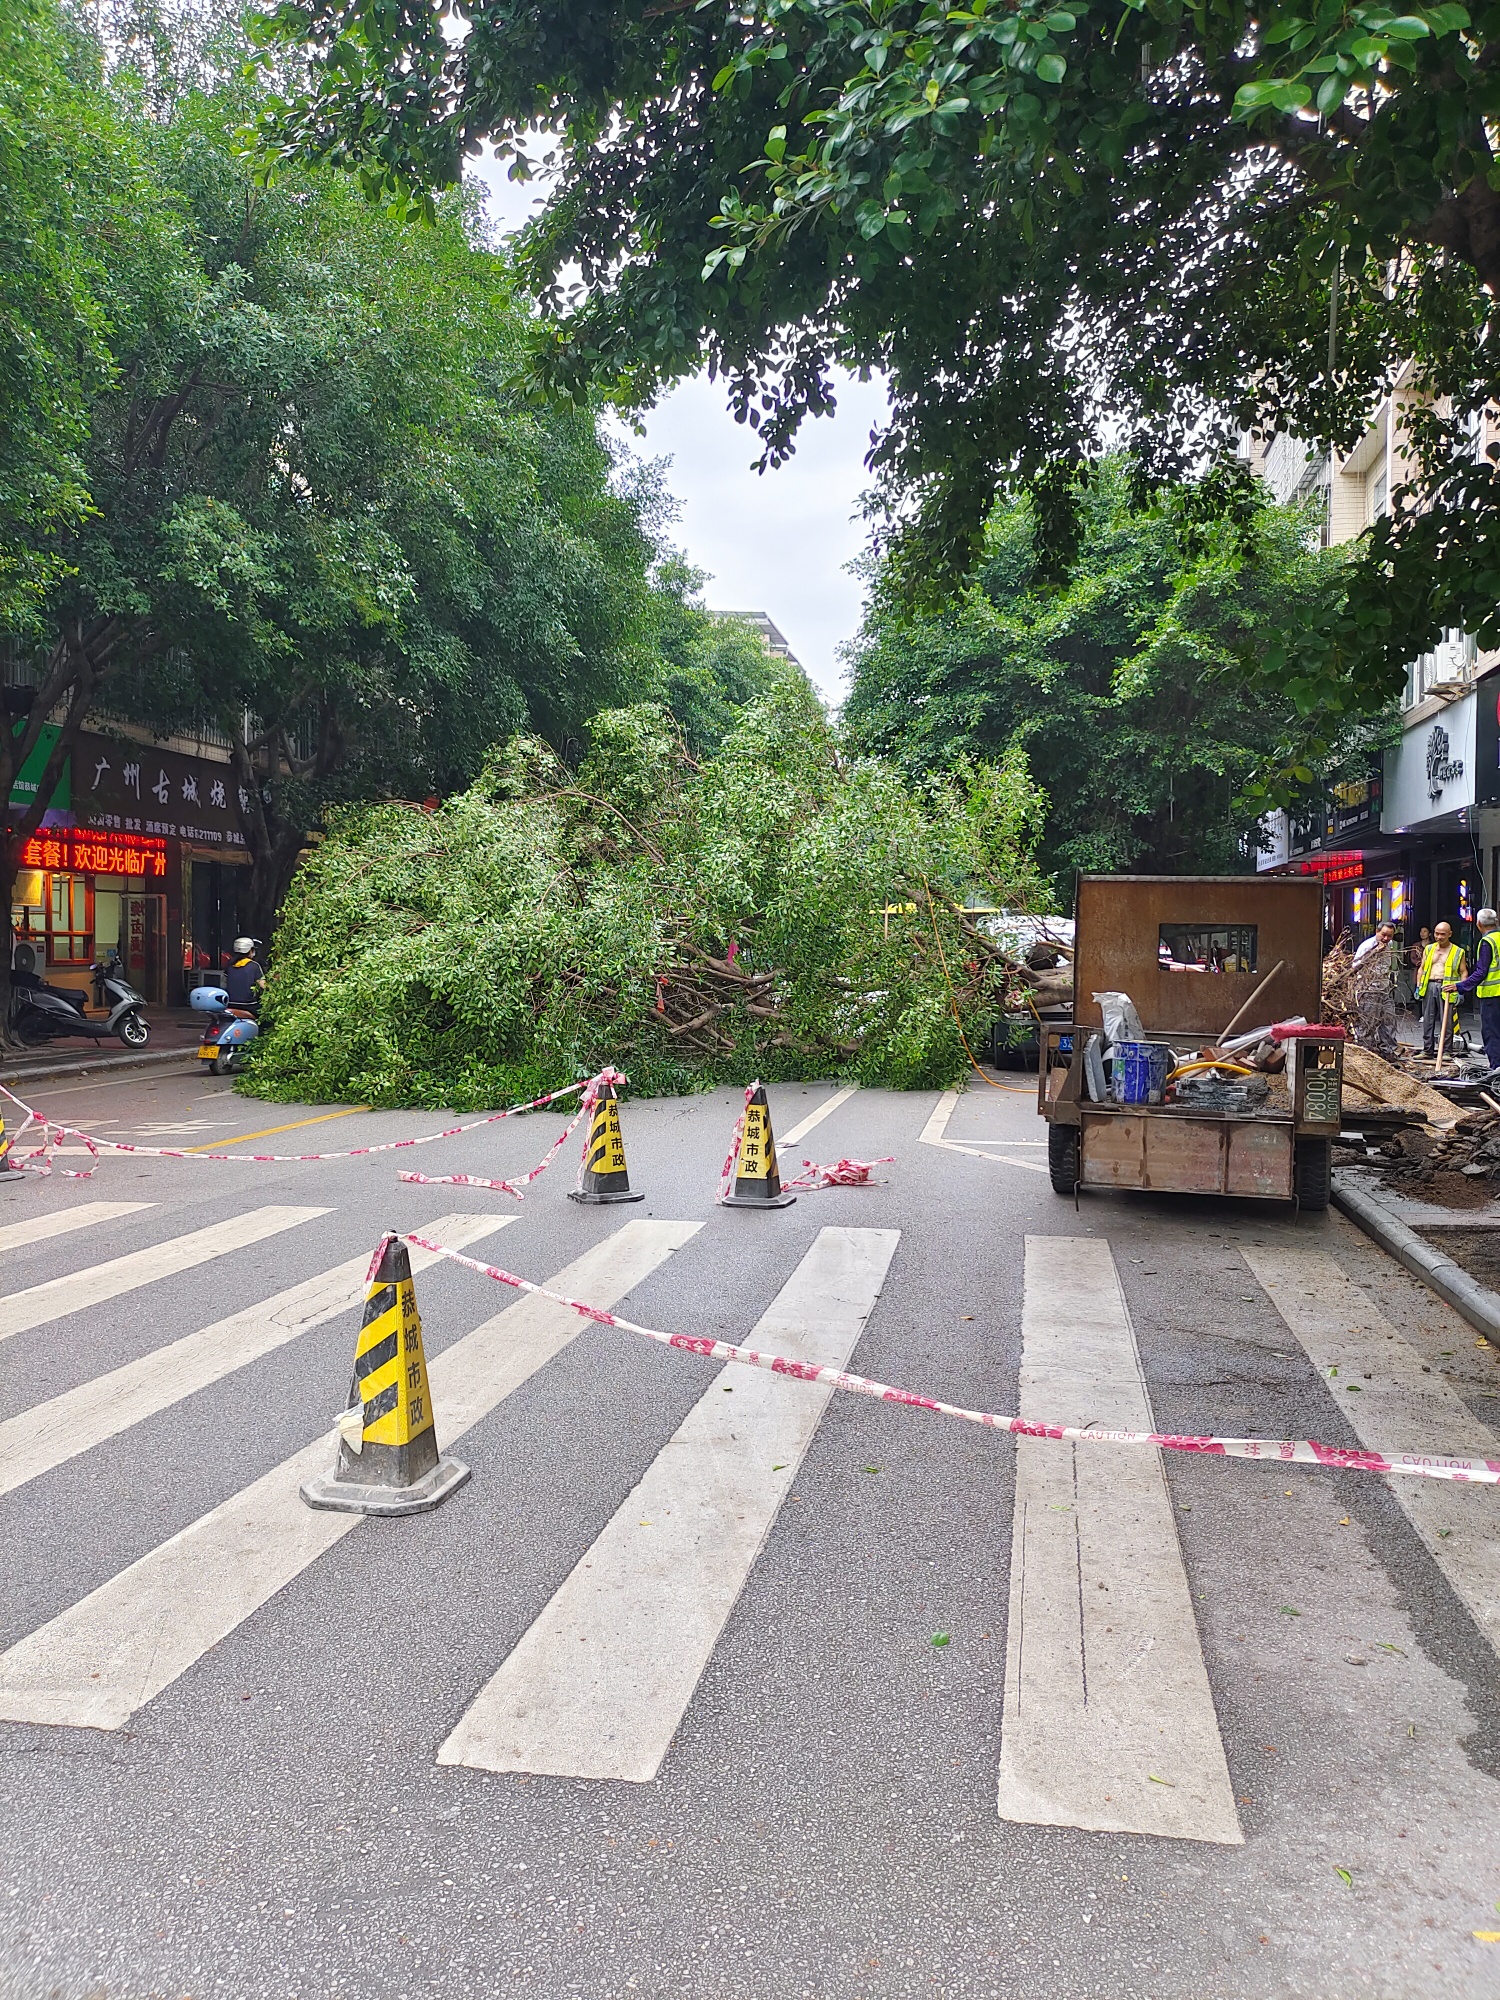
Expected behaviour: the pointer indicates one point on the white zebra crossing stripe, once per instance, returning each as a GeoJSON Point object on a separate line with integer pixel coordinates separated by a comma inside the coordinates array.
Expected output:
{"type": "Point", "coordinates": [1109, 1723]}
{"type": "Point", "coordinates": [63, 1221]}
{"type": "Point", "coordinates": [98, 1283]}
{"type": "Point", "coordinates": [62, 1428]}
{"type": "Point", "coordinates": [1382, 1390]}
{"type": "Point", "coordinates": [96, 1663]}
{"type": "Point", "coordinates": [816, 1116]}
{"type": "Point", "coordinates": [599, 1684]}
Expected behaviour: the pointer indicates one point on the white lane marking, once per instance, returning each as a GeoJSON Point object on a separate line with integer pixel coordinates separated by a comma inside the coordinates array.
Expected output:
{"type": "Point", "coordinates": [67, 1425]}
{"type": "Point", "coordinates": [932, 1132]}
{"type": "Point", "coordinates": [40, 1304]}
{"type": "Point", "coordinates": [995, 1159]}
{"type": "Point", "coordinates": [62, 1221]}
{"type": "Point", "coordinates": [96, 1663]}
{"type": "Point", "coordinates": [600, 1683]}
{"type": "Point", "coordinates": [1391, 1403]}
{"type": "Point", "coordinates": [1109, 1722]}
{"type": "Point", "coordinates": [828, 1106]}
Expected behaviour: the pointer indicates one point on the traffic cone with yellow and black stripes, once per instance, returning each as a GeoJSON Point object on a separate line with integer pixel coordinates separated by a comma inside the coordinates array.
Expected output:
{"type": "Point", "coordinates": [7, 1164]}
{"type": "Point", "coordinates": [605, 1176]}
{"type": "Point", "coordinates": [388, 1459]}
{"type": "Point", "coordinates": [757, 1178]}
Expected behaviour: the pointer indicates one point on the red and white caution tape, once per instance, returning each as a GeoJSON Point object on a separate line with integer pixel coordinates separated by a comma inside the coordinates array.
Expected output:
{"type": "Point", "coordinates": [590, 1099]}
{"type": "Point", "coordinates": [843, 1173]}
{"type": "Point", "coordinates": [95, 1144]}
{"type": "Point", "coordinates": [726, 1172]}
{"type": "Point", "coordinates": [1280, 1451]}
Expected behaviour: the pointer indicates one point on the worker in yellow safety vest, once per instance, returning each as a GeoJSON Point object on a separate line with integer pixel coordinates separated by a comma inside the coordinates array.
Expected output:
{"type": "Point", "coordinates": [1443, 966]}
{"type": "Point", "coordinates": [1484, 981]}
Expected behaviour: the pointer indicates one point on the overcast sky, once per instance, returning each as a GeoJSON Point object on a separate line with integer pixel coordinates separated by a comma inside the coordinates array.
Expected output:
{"type": "Point", "coordinates": [777, 542]}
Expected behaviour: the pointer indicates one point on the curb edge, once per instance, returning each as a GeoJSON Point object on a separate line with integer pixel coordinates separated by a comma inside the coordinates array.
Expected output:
{"type": "Point", "coordinates": [49, 1073]}
{"type": "Point", "coordinates": [1478, 1305]}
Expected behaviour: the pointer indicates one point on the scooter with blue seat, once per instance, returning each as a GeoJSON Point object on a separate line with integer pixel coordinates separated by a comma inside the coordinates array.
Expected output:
{"type": "Point", "coordinates": [228, 1030]}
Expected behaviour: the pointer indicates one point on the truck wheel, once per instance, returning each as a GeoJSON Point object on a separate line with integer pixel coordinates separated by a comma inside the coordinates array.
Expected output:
{"type": "Point", "coordinates": [1313, 1180]}
{"type": "Point", "coordinates": [1062, 1157]}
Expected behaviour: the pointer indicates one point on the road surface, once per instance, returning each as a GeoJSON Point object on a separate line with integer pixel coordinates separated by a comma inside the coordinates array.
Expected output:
{"type": "Point", "coordinates": [710, 1682]}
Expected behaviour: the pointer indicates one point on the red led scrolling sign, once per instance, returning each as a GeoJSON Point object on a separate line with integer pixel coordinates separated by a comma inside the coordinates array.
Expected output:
{"type": "Point", "coordinates": [1344, 867]}
{"type": "Point", "coordinates": [77, 852]}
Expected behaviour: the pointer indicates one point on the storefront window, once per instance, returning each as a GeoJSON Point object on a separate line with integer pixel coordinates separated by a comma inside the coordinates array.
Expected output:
{"type": "Point", "coordinates": [69, 932]}
{"type": "Point", "coordinates": [106, 919]}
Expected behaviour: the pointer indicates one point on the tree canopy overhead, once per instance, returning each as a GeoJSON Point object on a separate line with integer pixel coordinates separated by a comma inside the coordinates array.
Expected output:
{"type": "Point", "coordinates": [1047, 221]}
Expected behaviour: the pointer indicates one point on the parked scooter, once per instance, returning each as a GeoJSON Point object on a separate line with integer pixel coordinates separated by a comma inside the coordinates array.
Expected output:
{"type": "Point", "coordinates": [227, 1031]}
{"type": "Point", "coordinates": [40, 1012]}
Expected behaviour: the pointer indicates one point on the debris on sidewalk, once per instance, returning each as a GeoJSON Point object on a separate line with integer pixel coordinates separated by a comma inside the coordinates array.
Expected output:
{"type": "Point", "coordinates": [1459, 1168]}
{"type": "Point", "coordinates": [1340, 1002]}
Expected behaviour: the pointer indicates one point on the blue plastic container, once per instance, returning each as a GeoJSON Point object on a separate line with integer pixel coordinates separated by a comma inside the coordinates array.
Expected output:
{"type": "Point", "coordinates": [1140, 1071]}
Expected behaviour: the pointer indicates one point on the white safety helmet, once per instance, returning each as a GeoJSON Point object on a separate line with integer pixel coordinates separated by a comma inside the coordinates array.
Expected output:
{"type": "Point", "coordinates": [245, 947]}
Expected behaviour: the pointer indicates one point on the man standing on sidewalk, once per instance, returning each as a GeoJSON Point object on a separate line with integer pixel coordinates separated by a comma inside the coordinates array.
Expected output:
{"type": "Point", "coordinates": [1485, 981]}
{"type": "Point", "coordinates": [1375, 993]}
{"type": "Point", "coordinates": [1443, 965]}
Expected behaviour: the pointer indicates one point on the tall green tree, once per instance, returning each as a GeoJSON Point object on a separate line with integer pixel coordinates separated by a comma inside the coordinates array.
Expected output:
{"type": "Point", "coordinates": [321, 513]}
{"type": "Point", "coordinates": [83, 228]}
{"type": "Point", "coordinates": [1125, 686]}
{"type": "Point", "coordinates": [62, 165]}
{"type": "Point", "coordinates": [1048, 221]}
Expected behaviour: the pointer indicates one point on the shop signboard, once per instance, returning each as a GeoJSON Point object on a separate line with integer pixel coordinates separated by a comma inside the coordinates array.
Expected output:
{"type": "Point", "coordinates": [161, 794]}
{"type": "Point", "coordinates": [1487, 740]}
{"type": "Point", "coordinates": [24, 784]}
{"type": "Point", "coordinates": [1354, 803]}
{"type": "Point", "coordinates": [1431, 772]}
{"type": "Point", "coordinates": [72, 851]}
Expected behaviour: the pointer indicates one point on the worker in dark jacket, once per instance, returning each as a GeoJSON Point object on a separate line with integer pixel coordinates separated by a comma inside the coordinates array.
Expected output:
{"type": "Point", "coordinates": [1485, 981]}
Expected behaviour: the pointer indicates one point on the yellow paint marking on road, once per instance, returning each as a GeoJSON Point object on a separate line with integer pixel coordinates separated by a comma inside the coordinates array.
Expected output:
{"type": "Point", "coordinates": [244, 1138]}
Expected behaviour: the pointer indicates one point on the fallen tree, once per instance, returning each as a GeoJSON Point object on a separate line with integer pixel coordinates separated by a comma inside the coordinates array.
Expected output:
{"type": "Point", "coordinates": [774, 909]}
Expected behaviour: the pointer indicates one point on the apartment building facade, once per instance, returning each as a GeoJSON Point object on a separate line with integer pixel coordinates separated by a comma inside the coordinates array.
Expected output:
{"type": "Point", "coordinates": [1415, 837]}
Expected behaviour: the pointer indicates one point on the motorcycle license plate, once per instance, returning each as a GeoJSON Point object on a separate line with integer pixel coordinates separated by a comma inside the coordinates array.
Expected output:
{"type": "Point", "coordinates": [207, 1051]}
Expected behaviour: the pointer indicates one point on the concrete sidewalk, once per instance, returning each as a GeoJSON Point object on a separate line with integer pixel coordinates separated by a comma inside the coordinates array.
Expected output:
{"type": "Point", "coordinates": [174, 1034]}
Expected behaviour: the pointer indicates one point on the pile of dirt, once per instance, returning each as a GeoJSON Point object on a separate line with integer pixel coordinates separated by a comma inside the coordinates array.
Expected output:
{"type": "Point", "coordinates": [1459, 1168]}
{"type": "Point", "coordinates": [1372, 1084]}
{"type": "Point", "coordinates": [1476, 1250]}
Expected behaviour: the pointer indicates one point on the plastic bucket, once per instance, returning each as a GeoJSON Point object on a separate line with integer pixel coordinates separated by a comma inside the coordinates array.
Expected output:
{"type": "Point", "coordinates": [1140, 1071]}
